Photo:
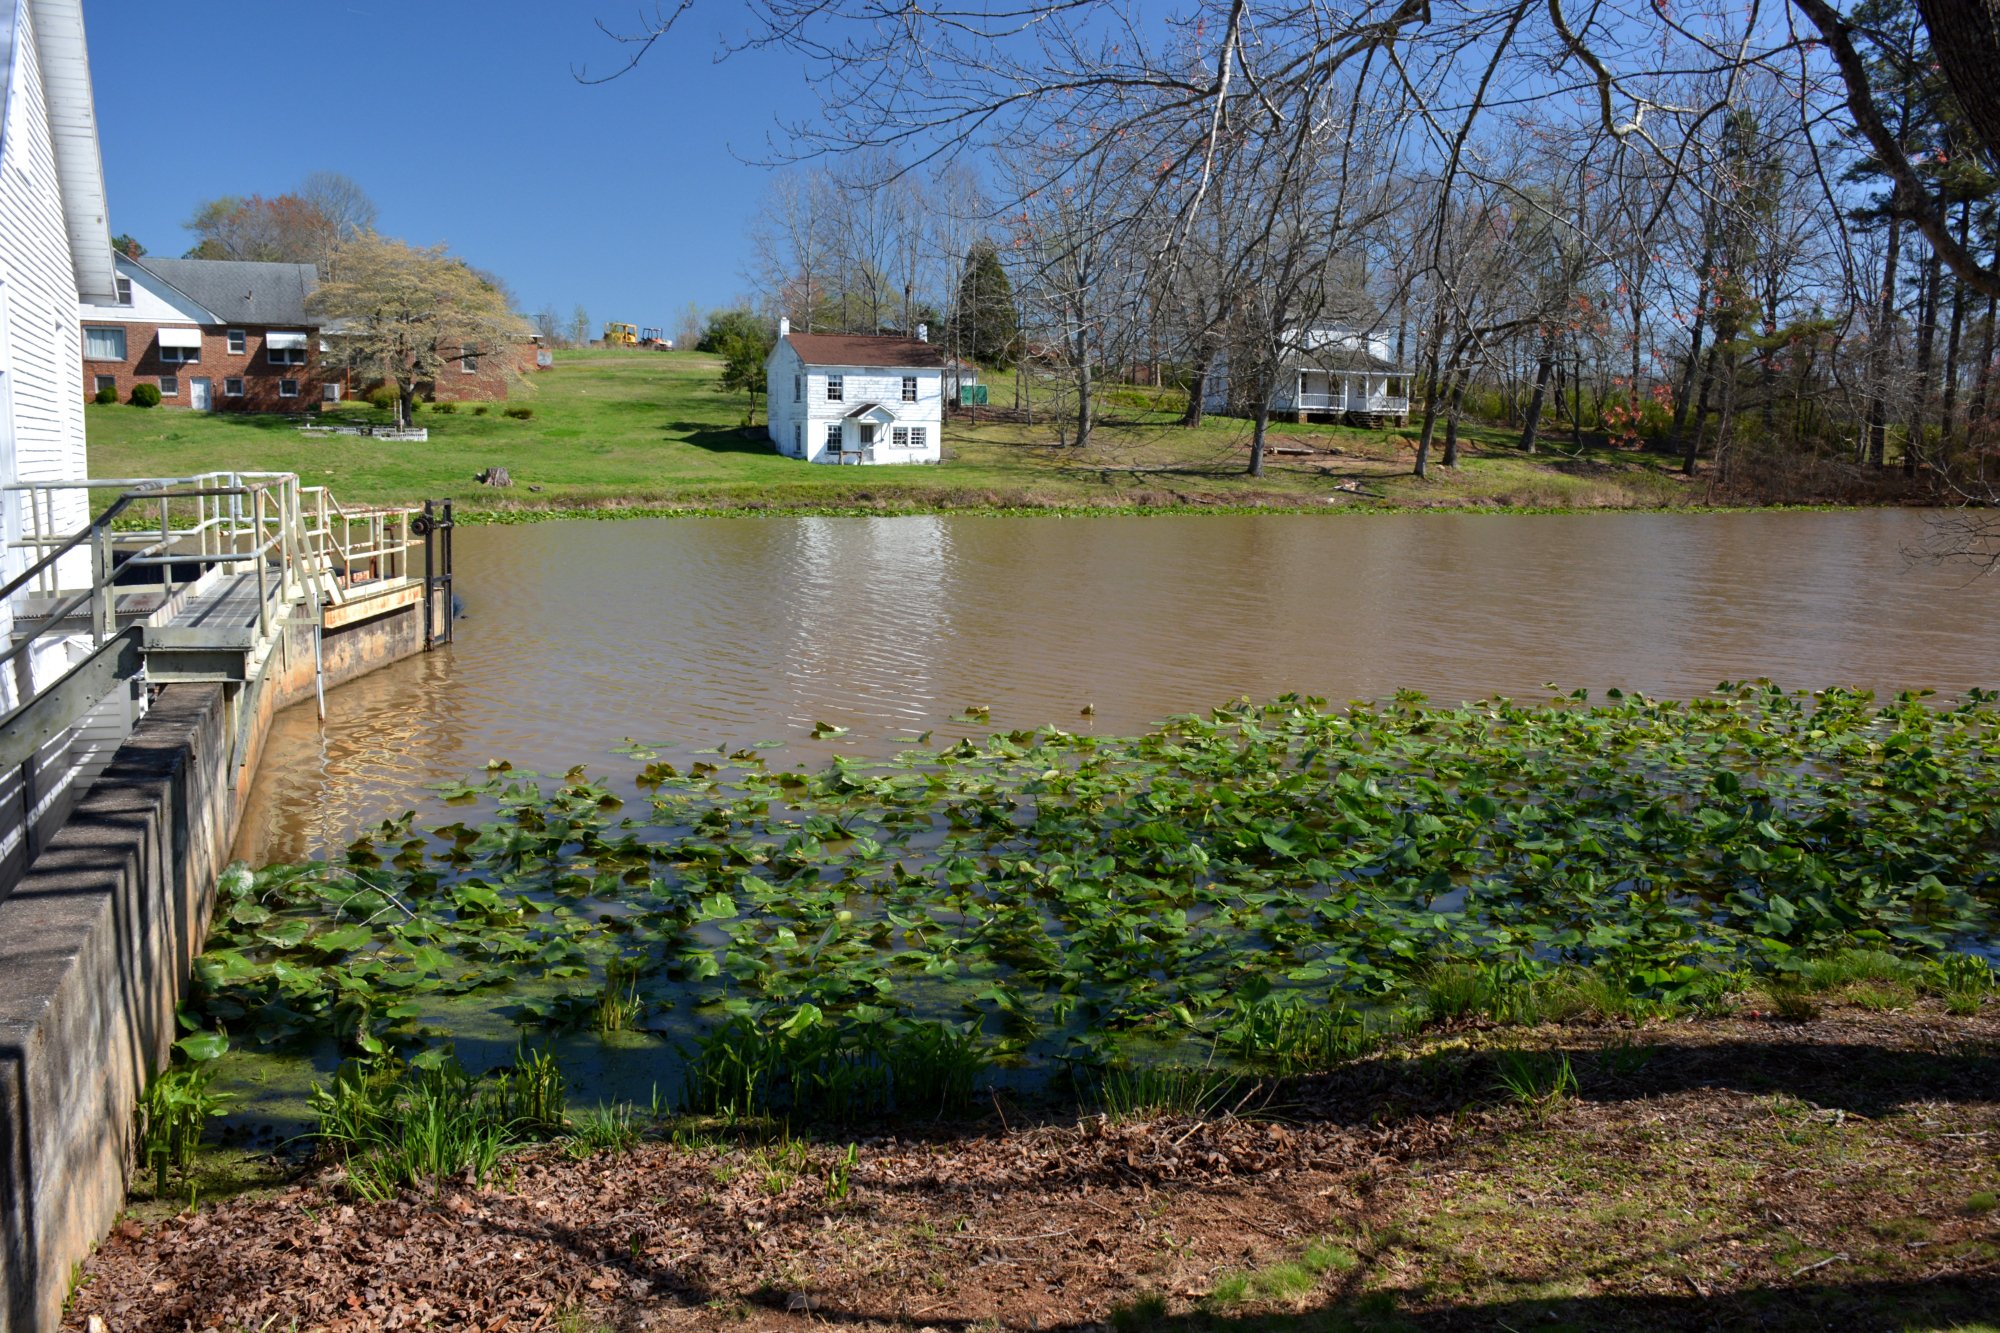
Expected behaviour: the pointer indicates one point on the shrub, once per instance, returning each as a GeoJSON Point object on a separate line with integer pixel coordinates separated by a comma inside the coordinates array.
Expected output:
{"type": "Point", "coordinates": [480, 410]}
{"type": "Point", "coordinates": [446, 408]}
{"type": "Point", "coordinates": [107, 394]}
{"type": "Point", "coordinates": [145, 395]}
{"type": "Point", "coordinates": [520, 413]}
{"type": "Point", "coordinates": [380, 399]}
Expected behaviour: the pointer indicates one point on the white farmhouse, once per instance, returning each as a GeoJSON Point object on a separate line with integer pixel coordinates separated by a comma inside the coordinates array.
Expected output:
{"type": "Point", "coordinates": [1331, 373]}
{"type": "Point", "coordinates": [850, 398]}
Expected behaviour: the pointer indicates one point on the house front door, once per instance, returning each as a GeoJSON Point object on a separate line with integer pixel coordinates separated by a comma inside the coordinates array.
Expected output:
{"type": "Point", "coordinates": [198, 395]}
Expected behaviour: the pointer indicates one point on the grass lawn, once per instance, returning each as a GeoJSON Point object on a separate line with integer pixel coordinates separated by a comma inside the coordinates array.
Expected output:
{"type": "Point", "coordinates": [650, 430]}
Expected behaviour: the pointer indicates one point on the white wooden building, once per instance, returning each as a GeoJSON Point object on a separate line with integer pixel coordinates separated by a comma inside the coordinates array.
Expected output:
{"type": "Point", "coordinates": [1331, 373]}
{"type": "Point", "coordinates": [850, 398]}
{"type": "Point", "coordinates": [55, 252]}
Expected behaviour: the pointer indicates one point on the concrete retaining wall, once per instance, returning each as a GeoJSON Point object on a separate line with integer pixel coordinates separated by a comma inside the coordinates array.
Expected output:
{"type": "Point", "coordinates": [95, 945]}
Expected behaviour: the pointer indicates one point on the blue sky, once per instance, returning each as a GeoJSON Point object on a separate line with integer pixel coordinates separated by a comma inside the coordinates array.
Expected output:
{"type": "Point", "coordinates": [464, 123]}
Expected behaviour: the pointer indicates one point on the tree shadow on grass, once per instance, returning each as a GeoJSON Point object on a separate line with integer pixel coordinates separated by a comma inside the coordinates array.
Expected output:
{"type": "Point", "coordinates": [1948, 1302]}
{"type": "Point", "coordinates": [722, 439]}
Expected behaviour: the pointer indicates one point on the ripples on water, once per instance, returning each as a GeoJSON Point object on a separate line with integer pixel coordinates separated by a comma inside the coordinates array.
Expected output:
{"type": "Point", "coordinates": [690, 633]}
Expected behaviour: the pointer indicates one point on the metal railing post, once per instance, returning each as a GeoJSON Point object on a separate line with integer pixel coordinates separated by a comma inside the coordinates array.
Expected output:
{"type": "Point", "coordinates": [257, 554]}
{"type": "Point", "coordinates": [103, 597]}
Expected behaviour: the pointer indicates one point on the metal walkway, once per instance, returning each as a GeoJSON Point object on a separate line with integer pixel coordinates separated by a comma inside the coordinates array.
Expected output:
{"type": "Point", "coordinates": [194, 579]}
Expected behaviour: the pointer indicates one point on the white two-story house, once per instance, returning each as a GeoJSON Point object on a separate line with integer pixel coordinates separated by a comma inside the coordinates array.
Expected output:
{"type": "Point", "coordinates": [851, 398]}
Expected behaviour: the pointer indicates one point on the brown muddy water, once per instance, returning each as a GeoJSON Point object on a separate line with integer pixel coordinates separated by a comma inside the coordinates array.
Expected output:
{"type": "Point", "coordinates": [693, 633]}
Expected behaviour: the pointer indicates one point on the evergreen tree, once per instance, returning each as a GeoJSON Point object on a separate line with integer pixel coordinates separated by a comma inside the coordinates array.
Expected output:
{"type": "Point", "coordinates": [985, 328]}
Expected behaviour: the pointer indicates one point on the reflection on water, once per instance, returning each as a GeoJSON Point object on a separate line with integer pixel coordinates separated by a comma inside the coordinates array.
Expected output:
{"type": "Point", "coordinates": [690, 633]}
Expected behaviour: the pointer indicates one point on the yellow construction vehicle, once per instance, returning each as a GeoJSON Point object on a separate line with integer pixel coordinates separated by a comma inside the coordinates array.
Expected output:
{"type": "Point", "coordinates": [621, 335]}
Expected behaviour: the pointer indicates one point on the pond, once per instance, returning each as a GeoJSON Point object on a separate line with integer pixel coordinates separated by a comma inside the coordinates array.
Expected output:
{"type": "Point", "coordinates": [918, 776]}
{"type": "Point", "coordinates": [692, 633]}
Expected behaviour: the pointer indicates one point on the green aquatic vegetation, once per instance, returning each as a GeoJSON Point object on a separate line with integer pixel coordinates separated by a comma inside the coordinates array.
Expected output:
{"type": "Point", "coordinates": [397, 1127]}
{"type": "Point", "coordinates": [1283, 884]}
{"type": "Point", "coordinates": [613, 1129]}
{"type": "Point", "coordinates": [175, 1109]}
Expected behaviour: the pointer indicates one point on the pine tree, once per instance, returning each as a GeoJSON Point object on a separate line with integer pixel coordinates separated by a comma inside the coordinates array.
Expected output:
{"type": "Point", "coordinates": [985, 328]}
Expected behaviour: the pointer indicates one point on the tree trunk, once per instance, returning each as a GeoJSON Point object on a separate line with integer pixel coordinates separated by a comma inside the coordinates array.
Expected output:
{"type": "Point", "coordinates": [1725, 429]}
{"type": "Point", "coordinates": [1693, 450]}
{"type": "Point", "coordinates": [1544, 368]}
{"type": "Point", "coordinates": [406, 405]}
{"type": "Point", "coordinates": [1686, 395]}
{"type": "Point", "coordinates": [1450, 458]}
{"type": "Point", "coordinates": [1197, 385]}
{"type": "Point", "coordinates": [1083, 403]}
{"type": "Point", "coordinates": [1948, 411]}
{"type": "Point", "coordinates": [1927, 308]}
{"type": "Point", "coordinates": [1976, 410]}
{"type": "Point", "coordinates": [1878, 406]}
{"type": "Point", "coordinates": [1262, 420]}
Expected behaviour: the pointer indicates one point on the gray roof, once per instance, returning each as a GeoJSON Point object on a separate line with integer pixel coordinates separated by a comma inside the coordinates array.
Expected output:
{"type": "Point", "coordinates": [241, 290]}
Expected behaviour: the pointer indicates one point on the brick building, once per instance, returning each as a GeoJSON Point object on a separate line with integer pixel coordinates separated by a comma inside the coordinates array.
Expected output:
{"type": "Point", "coordinates": [210, 334]}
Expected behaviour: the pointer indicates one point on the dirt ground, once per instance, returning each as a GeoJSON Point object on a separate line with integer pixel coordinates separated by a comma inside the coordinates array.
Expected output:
{"type": "Point", "coordinates": [1732, 1173]}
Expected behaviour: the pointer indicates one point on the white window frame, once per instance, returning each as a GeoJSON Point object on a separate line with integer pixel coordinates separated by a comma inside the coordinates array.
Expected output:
{"type": "Point", "coordinates": [104, 331]}
{"type": "Point", "coordinates": [836, 388]}
{"type": "Point", "coordinates": [170, 386]}
{"type": "Point", "coordinates": [284, 392]}
{"type": "Point", "coordinates": [180, 356]}
{"type": "Point", "coordinates": [833, 436]}
{"type": "Point", "coordinates": [917, 434]}
{"type": "Point", "coordinates": [228, 380]}
{"type": "Point", "coordinates": [899, 437]}
{"type": "Point", "coordinates": [99, 383]}
{"type": "Point", "coordinates": [285, 356]}
{"type": "Point", "coordinates": [909, 388]}
{"type": "Point", "coordinates": [239, 342]}
{"type": "Point", "coordinates": [123, 287]}
{"type": "Point", "coordinates": [468, 363]}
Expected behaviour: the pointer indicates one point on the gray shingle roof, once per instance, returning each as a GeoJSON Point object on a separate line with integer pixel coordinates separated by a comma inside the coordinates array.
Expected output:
{"type": "Point", "coordinates": [240, 290]}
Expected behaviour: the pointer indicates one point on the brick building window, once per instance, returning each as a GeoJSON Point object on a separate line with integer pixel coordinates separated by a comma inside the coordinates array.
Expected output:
{"type": "Point", "coordinates": [835, 387]}
{"type": "Point", "coordinates": [237, 342]}
{"type": "Point", "coordinates": [469, 364]}
{"type": "Point", "coordinates": [170, 386]}
{"type": "Point", "coordinates": [284, 348]}
{"type": "Point", "coordinates": [104, 382]}
{"type": "Point", "coordinates": [233, 387]}
{"type": "Point", "coordinates": [104, 344]}
{"type": "Point", "coordinates": [288, 388]}
{"type": "Point", "coordinates": [909, 388]}
{"type": "Point", "coordinates": [180, 356]}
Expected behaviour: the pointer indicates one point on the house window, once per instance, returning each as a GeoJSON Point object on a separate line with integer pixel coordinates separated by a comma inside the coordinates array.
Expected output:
{"type": "Point", "coordinates": [798, 387]}
{"type": "Point", "coordinates": [124, 290]}
{"type": "Point", "coordinates": [909, 388]}
{"type": "Point", "coordinates": [232, 387]}
{"type": "Point", "coordinates": [284, 347]}
{"type": "Point", "coordinates": [288, 388]}
{"type": "Point", "coordinates": [104, 382]}
{"type": "Point", "coordinates": [917, 437]}
{"type": "Point", "coordinates": [835, 387]}
{"type": "Point", "coordinates": [180, 356]}
{"type": "Point", "coordinates": [170, 386]}
{"type": "Point", "coordinates": [833, 436]}
{"type": "Point", "coordinates": [237, 342]}
{"type": "Point", "coordinates": [798, 438]}
{"type": "Point", "coordinates": [469, 364]}
{"type": "Point", "coordinates": [104, 344]}
{"type": "Point", "coordinates": [900, 437]}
